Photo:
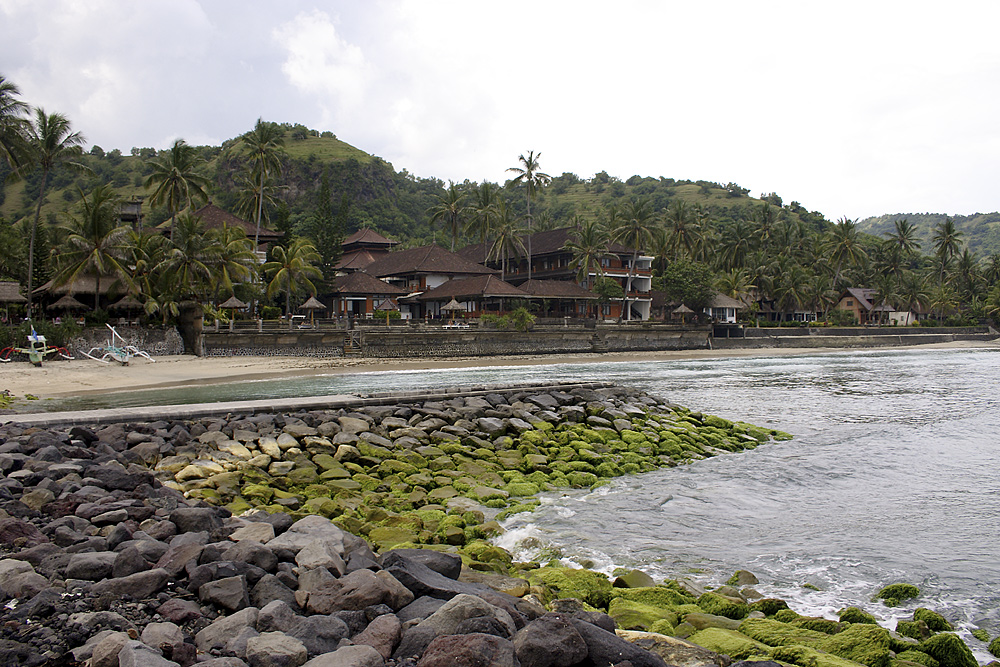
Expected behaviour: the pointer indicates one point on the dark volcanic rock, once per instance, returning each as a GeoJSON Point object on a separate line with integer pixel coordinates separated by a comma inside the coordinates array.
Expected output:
{"type": "Point", "coordinates": [475, 650]}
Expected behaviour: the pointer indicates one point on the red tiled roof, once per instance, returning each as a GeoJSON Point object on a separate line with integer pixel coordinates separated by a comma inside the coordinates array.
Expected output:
{"type": "Point", "coordinates": [368, 237]}
{"type": "Point", "coordinates": [476, 286]}
{"type": "Point", "coordinates": [425, 260]}
{"type": "Point", "coordinates": [357, 260]}
{"type": "Point", "coordinates": [360, 282]}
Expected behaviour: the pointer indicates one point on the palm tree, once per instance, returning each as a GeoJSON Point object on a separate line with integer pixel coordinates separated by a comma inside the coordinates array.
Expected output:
{"type": "Point", "coordinates": [992, 270]}
{"type": "Point", "coordinates": [483, 211]}
{"type": "Point", "coordinates": [913, 292]}
{"type": "Point", "coordinates": [735, 284]}
{"type": "Point", "coordinates": [683, 229]}
{"type": "Point", "coordinates": [792, 288]}
{"type": "Point", "coordinates": [290, 267]}
{"type": "Point", "coordinates": [844, 243]}
{"type": "Point", "coordinates": [886, 294]}
{"type": "Point", "coordinates": [736, 245]}
{"type": "Point", "coordinates": [765, 218]}
{"type": "Point", "coordinates": [588, 245]}
{"type": "Point", "coordinates": [533, 179]}
{"type": "Point", "coordinates": [905, 237]}
{"type": "Point", "coordinates": [51, 144]}
{"type": "Point", "coordinates": [177, 180]}
{"type": "Point", "coordinates": [13, 125]}
{"type": "Point", "coordinates": [822, 293]}
{"type": "Point", "coordinates": [947, 240]}
{"type": "Point", "coordinates": [96, 244]}
{"type": "Point", "coordinates": [264, 144]}
{"type": "Point", "coordinates": [236, 259]}
{"type": "Point", "coordinates": [452, 209]}
{"type": "Point", "coordinates": [507, 241]}
{"type": "Point", "coordinates": [635, 232]}
{"type": "Point", "coordinates": [147, 251]}
{"type": "Point", "coordinates": [254, 199]}
{"type": "Point", "coordinates": [942, 300]}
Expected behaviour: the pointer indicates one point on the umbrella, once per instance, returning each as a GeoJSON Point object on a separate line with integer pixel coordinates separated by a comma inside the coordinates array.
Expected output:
{"type": "Point", "coordinates": [67, 302]}
{"type": "Point", "coordinates": [682, 310]}
{"type": "Point", "coordinates": [233, 304]}
{"type": "Point", "coordinates": [452, 306]}
{"type": "Point", "coordinates": [387, 306]}
{"type": "Point", "coordinates": [312, 304]}
{"type": "Point", "coordinates": [127, 302]}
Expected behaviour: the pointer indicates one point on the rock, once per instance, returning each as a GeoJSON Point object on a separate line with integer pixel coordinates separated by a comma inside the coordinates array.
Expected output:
{"type": "Point", "coordinates": [14, 532]}
{"type": "Point", "coordinates": [230, 593]}
{"type": "Point", "coordinates": [129, 561]}
{"type": "Point", "coordinates": [275, 649]}
{"type": "Point", "coordinates": [606, 648]}
{"type": "Point", "coordinates": [256, 531]}
{"type": "Point", "coordinates": [419, 609]}
{"type": "Point", "coordinates": [327, 554]}
{"type": "Point", "coordinates": [319, 634]}
{"type": "Point", "coordinates": [446, 620]}
{"type": "Point", "coordinates": [348, 656]}
{"type": "Point", "coordinates": [357, 590]}
{"type": "Point", "coordinates": [196, 519]}
{"type": "Point", "coordinates": [10, 568]}
{"type": "Point", "coordinates": [176, 610]}
{"type": "Point", "coordinates": [91, 566]}
{"type": "Point", "coordinates": [383, 634]}
{"type": "Point", "coordinates": [449, 565]}
{"type": "Point", "coordinates": [675, 651]}
{"type": "Point", "coordinates": [475, 650]}
{"type": "Point", "coordinates": [136, 654]}
{"type": "Point", "coordinates": [633, 579]}
{"type": "Point", "coordinates": [254, 553]}
{"type": "Point", "coordinates": [140, 585]}
{"type": "Point", "coordinates": [277, 615]}
{"type": "Point", "coordinates": [177, 557]}
{"type": "Point", "coordinates": [305, 531]}
{"type": "Point", "coordinates": [105, 653]}
{"type": "Point", "coordinates": [271, 588]}
{"type": "Point", "coordinates": [159, 634]}
{"type": "Point", "coordinates": [219, 633]}
{"type": "Point", "coordinates": [549, 641]}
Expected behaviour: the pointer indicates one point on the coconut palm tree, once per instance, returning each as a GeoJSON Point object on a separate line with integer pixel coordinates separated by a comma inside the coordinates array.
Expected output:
{"type": "Point", "coordinates": [291, 267]}
{"type": "Point", "coordinates": [913, 293]}
{"type": "Point", "coordinates": [187, 271]}
{"type": "Point", "coordinates": [947, 241]}
{"type": "Point", "coordinates": [147, 251]}
{"type": "Point", "coordinates": [177, 180]}
{"type": "Point", "coordinates": [588, 244]}
{"type": "Point", "coordinates": [635, 232]}
{"type": "Point", "coordinates": [13, 125]}
{"type": "Point", "coordinates": [450, 208]}
{"type": "Point", "coordinates": [264, 145]}
{"type": "Point", "coordinates": [905, 237]}
{"type": "Point", "coordinates": [528, 173]}
{"type": "Point", "coordinates": [96, 244]}
{"type": "Point", "coordinates": [507, 240]}
{"type": "Point", "coordinates": [51, 144]}
{"type": "Point", "coordinates": [236, 259]}
{"type": "Point", "coordinates": [254, 199]}
{"type": "Point", "coordinates": [483, 211]}
{"type": "Point", "coordinates": [683, 229]}
{"type": "Point", "coordinates": [737, 243]}
{"type": "Point", "coordinates": [844, 244]}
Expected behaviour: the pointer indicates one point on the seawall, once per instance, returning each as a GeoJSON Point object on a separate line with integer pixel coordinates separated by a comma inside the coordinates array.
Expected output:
{"type": "Point", "coordinates": [854, 337]}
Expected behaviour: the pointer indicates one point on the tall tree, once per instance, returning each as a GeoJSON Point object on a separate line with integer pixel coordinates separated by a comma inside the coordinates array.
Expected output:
{"type": "Point", "coordinates": [177, 180]}
{"type": "Point", "coordinates": [291, 267]}
{"type": "Point", "coordinates": [634, 232]}
{"type": "Point", "coordinates": [588, 245]}
{"type": "Point", "coordinates": [904, 237]}
{"type": "Point", "coordinates": [325, 229]}
{"type": "Point", "coordinates": [265, 146]}
{"type": "Point", "coordinates": [507, 240]}
{"type": "Point", "coordinates": [52, 144]}
{"type": "Point", "coordinates": [96, 245]}
{"type": "Point", "coordinates": [947, 241]}
{"type": "Point", "coordinates": [483, 212]}
{"type": "Point", "coordinates": [844, 245]}
{"type": "Point", "coordinates": [528, 172]}
{"type": "Point", "coordinates": [450, 208]}
{"type": "Point", "coordinates": [13, 125]}
{"type": "Point", "coordinates": [683, 229]}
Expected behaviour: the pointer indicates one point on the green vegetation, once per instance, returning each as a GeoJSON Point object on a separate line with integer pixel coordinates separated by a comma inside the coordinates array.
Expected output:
{"type": "Point", "coordinates": [893, 594]}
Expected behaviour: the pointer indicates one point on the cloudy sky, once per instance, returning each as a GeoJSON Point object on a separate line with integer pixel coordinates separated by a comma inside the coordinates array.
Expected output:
{"type": "Point", "coordinates": [851, 108]}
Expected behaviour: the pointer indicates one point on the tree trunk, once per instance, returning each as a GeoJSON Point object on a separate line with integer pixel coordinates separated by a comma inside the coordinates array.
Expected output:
{"type": "Point", "coordinates": [190, 322]}
{"type": "Point", "coordinates": [31, 241]}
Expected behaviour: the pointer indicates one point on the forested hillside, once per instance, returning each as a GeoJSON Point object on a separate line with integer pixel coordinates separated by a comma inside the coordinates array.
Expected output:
{"type": "Point", "coordinates": [981, 231]}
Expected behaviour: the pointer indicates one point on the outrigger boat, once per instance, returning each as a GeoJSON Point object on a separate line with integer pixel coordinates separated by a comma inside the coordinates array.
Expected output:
{"type": "Point", "coordinates": [36, 351]}
{"type": "Point", "coordinates": [122, 353]}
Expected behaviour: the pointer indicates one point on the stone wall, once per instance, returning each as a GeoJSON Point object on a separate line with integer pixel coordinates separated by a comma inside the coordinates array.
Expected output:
{"type": "Point", "coordinates": [389, 343]}
{"type": "Point", "coordinates": [854, 338]}
{"type": "Point", "coordinates": [153, 341]}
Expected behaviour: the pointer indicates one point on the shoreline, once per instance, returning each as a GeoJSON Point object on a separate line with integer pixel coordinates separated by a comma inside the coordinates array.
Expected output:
{"type": "Point", "coordinates": [83, 377]}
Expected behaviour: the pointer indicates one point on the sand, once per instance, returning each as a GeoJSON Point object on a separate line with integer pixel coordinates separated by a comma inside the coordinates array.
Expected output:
{"type": "Point", "coordinates": [83, 376]}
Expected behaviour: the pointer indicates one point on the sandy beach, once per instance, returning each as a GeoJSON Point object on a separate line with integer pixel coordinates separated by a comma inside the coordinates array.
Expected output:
{"type": "Point", "coordinates": [83, 376]}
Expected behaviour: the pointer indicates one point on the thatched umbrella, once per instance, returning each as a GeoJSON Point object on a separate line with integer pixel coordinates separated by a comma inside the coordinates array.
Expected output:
{"type": "Point", "coordinates": [387, 306]}
{"type": "Point", "coordinates": [453, 306]}
{"type": "Point", "coordinates": [233, 304]}
{"type": "Point", "coordinates": [67, 302]}
{"type": "Point", "coordinates": [683, 311]}
{"type": "Point", "coordinates": [312, 304]}
{"type": "Point", "coordinates": [128, 303]}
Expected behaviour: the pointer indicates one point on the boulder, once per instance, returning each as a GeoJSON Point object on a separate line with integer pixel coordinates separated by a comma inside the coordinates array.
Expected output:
{"type": "Point", "coordinates": [275, 649]}
{"type": "Point", "coordinates": [474, 650]}
{"type": "Point", "coordinates": [606, 648]}
{"type": "Point", "coordinates": [549, 641]}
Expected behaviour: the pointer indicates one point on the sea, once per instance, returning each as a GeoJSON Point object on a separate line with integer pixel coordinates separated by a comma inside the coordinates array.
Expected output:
{"type": "Point", "coordinates": [893, 475]}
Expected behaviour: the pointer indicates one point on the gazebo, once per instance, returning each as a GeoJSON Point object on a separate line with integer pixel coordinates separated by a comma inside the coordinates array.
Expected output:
{"type": "Point", "coordinates": [683, 311]}
{"type": "Point", "coordinates": [67, 303]}
{"type": "Point", "coordinates": [128, 303]}
{"type": "Point", "coordinates": [312, 304]}
{"type": "Point", "coordinates": [453, 307]}
{"type": "Point", "coordinates": [10, 292]}
{"type": "Point", "coordinates": [233, 304]}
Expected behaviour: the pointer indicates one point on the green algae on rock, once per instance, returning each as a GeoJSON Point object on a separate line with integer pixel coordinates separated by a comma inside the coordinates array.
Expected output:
{"type": "Point", "coordinates": [893, 594]}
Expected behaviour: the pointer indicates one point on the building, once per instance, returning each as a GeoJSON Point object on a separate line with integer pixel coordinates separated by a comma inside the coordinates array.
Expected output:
{"type": "Point", "coordinates": [362, 248]}
{"type": "Point", "coordinates": [551, 260]}
{"type": "Point", "coordinates": [478, 295]}
{"type": "Point", "coordinates": [358, 295]}
{"type": "Point", "coordinates": [860, 301]}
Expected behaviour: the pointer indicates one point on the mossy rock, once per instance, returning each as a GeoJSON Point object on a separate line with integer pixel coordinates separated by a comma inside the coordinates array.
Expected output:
{"type": "Point", "coordinates": [257, 492]}
{"type": "Point", "coordinates": [581, 479]}
{"type": "Point", "coordinates": [325, 462]}
{"type": "Point", "coordinates": [322, 506]}
{"type": "Point", "coordinates": [769, 606]}
{"type": "Point", "coordinates": [893, 594]}
{"type": "Point", "coordinates": [452, 535]}
{"type": "Point", "coordinates": [485, 552]}
{"type": "Point", "coordinates": [303, 476]}
{"type": "Point", "coordinates": [949, 650]}
{"type": "Point", "coordinates": [515, 509]}
{"type": "Point", "coordinates": [384, 538]}
{"type": "Point", "coordinates": [431, 519]}
{"type": "Point", "coordinates": [935, 621]}
{"type": "Point", "coordinates": [608, 470]}
{"type": "Point", "coordinates": [776, 633]}
{"type": "Point", "coordinates": [631, 615]}
{"type": "Point", "coordinates": [728, 642]}
{"type": "Point", "coordinates": [867, 644]}
{"type": "Point", "coordinates": [342, 485]}
{"type": "Point", "coordinates": [394, 467]}
{"type": "Point", "coordinates": [806, 656]}
{"type": "Point", "coordinates": [335, 473]}
{"type": "Point", "coordinates": [521, 489]}
{"type": "Point", "coordinates": [565, 582]}
{"type": "Point", "coordinates": [238, 506]}
{"type": "Point", "coordinates": [913, 629]}
{"type": "Point", "coordinates": [663, 627]}
{"type": "Point", "coordinates": [914, 657]}
{"type": "Point", "coordinates": [657, 596]}
{"type": "Point", "coordinates": [720, 605]}
{"type": "Point", "coordinates": [856, 615]}
{"type": "Point", "coordinates": [994, 648]}
{"type": "Point", "coordinates": [824, 625]}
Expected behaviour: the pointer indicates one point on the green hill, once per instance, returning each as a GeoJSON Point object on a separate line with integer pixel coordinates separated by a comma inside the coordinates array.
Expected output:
{"type": "Point", "coordinates": [980, 231]}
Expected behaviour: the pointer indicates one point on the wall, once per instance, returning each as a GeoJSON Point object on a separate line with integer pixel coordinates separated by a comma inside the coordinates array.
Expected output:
{"type": "Point", "coordinates": [155, 342]}
{"type": "Point", "coordinates": [852, 337]}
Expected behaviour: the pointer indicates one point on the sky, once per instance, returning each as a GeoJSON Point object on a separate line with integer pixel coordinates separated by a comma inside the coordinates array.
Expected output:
{"type": "Point", "coordinates": [853, 109]}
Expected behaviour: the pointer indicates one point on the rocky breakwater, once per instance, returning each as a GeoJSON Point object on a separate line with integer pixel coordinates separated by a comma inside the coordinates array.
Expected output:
{"type": "Point", "coordinates": [357, 537]}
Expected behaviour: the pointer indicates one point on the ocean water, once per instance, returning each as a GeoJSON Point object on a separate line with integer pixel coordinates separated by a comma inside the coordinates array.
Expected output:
{"type": "Point", "coordinates": [893, 475]}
